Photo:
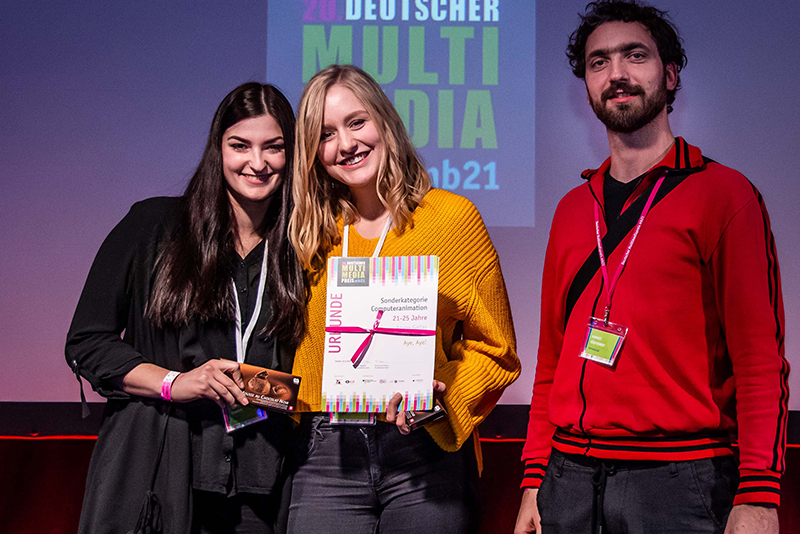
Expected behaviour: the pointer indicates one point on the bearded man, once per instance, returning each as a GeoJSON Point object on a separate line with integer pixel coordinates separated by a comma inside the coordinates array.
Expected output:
{"type": "Point", "coordinates": [662, 327]}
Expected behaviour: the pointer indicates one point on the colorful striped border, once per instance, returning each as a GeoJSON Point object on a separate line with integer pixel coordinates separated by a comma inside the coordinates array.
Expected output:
{"type": "Point", "coordinates": [364, 403]}
{"type": "Point", "coordinates": [395, 270]}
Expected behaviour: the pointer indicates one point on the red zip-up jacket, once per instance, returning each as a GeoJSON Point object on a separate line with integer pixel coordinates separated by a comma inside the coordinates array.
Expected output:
{"type": "Point", "coordinates": [703, 362]}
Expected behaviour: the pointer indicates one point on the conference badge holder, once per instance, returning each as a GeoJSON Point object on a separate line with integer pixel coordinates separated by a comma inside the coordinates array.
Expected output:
{"type": "Point", "coordinates": [603, 341]}
{"type": "Point", "coordinates": [241, 416]}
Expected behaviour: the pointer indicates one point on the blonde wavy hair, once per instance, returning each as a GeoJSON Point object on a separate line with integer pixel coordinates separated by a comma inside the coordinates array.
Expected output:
{"type": "Point", "coordinates": [319, 199]}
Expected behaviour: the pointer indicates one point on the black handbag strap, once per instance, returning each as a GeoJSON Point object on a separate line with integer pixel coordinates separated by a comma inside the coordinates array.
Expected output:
{"type": "Point", "coordinates": [149, 521]}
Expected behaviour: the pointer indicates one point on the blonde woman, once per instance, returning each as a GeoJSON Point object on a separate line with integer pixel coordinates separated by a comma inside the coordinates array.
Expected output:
{"type": "Point", "coordinates": [358, 176]}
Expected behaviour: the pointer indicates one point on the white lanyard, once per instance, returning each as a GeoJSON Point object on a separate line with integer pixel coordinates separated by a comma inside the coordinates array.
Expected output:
{"type": "Point", "coordinates": [242, 340]}
{"type": "Point", "coordinates": [378, 247]}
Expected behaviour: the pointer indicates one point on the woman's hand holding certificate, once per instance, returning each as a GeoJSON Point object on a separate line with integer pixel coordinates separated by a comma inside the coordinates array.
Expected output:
{"type": "Point", "coordinates": [400, 418]}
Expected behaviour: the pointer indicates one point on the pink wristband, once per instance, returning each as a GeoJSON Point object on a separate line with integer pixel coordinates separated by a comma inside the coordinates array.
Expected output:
{"type": "Point", "coordinates": [166, 385]}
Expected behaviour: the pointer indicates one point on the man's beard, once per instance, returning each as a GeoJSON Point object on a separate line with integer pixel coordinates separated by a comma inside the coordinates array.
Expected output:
{"type": "Point", "coordinates": [629, 117]}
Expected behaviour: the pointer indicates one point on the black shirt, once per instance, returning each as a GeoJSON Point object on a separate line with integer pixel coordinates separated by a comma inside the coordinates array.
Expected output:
{"type": "Point", "coordinates": [615, 194]}
{"type": "Point", "coordinates": [232, 463]}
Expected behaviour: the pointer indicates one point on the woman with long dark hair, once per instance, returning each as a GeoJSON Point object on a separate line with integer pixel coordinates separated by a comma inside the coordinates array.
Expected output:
{"type": "Point", "coordinates": [360, 189]}
{"type": "Point", "coordinates": [181, 292]}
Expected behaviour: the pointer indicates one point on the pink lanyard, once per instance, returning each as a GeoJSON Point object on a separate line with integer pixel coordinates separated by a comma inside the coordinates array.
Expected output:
{"type": "Point", "coordinates": [610, 286]}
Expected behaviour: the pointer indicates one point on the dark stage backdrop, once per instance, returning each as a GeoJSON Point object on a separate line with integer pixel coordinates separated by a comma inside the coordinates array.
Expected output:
{"type": "Point", "coordinates": [105, 103]}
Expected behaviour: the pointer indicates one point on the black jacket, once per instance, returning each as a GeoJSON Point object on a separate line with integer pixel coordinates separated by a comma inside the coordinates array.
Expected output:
{"type": "Point", "coordinates": [197, 453]}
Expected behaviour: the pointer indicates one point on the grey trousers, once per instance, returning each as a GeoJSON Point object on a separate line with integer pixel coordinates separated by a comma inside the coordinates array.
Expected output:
{"type": "Point", "coordinates": [584, 495]}
{"type": "Point", "coordinates": [368, 479]}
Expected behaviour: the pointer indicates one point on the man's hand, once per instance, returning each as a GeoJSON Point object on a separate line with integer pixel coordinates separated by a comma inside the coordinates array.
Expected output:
{"type": "Point", "coordinates": [528, 520]}
{"type": "Point", "coordinates": [752, 519]}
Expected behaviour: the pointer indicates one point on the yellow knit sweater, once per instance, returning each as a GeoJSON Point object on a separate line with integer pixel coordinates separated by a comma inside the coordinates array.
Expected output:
{"type": "Point", "coordinates": [475, 365]}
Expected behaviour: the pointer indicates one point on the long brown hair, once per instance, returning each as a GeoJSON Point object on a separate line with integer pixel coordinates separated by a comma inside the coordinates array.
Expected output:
{"type": "Point", "coordinates": [196, 263]}
{"type": "Point", "coordinates": [319, 199]}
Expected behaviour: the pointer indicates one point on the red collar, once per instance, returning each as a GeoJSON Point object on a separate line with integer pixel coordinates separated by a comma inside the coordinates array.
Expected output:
{"type": "Point", "coordinates": [682, 156]}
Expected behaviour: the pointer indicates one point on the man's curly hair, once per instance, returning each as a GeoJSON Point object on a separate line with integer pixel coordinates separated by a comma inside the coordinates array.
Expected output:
{"type": "Point", "coordinates": [664, 33]}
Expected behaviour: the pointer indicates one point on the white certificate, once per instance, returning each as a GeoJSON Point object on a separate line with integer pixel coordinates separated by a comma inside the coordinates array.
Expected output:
{"type": "Point", "coordinates": [380, 333]}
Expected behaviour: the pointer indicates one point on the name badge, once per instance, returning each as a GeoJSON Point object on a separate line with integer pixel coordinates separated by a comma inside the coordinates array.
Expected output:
{"type": "Point", "coordinates": [241, 416]}
{"type": "Point", "coordinates": [603, 341]}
